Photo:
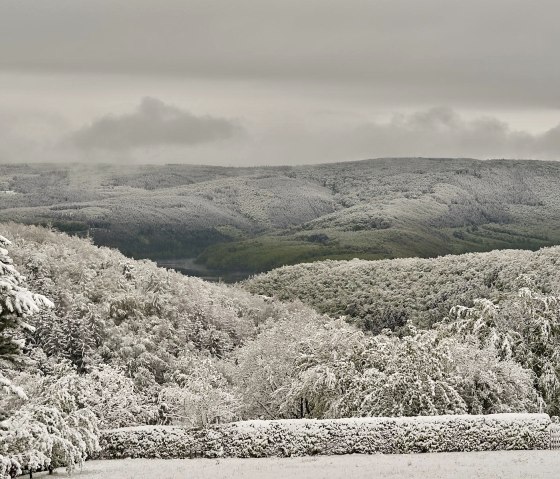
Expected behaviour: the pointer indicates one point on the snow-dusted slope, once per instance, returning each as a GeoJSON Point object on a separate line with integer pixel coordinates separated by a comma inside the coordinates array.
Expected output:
{"type": "Point", "coordinates": [389, 293]}
{"type": "Point", "coordinates": [254, 219]}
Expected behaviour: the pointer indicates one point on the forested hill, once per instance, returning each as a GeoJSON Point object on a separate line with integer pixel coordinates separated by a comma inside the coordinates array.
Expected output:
{"type": "Point", "coordinates": [391, 293]}
{"type": "Point", "coordinates": [232, 222]}
{"type": "Point", "coordinates": [125, 343]}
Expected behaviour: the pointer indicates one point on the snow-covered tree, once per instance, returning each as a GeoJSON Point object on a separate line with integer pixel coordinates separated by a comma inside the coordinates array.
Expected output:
{"type": "Point", "coordinates": [263, 368]}
{"type": "Point", "coordinates": [111, 396]}
{"type": "Point", "coordinates": [17, 303]}
{"type": "Point", "coordinates": [341, 372]}
{"type": "Point", "coordinates": [72, 334]}
{"type": "Point", "coordinates": [490, 384]}
{"type": "Point", "coordinates": [53, 427]}
{"type": "Point", "coordinates": [338, 371]}
{"type": "Point", "coordinates": [197, 395]}
{"type": "Point", "coordinates": [48, 430]}
{"type": "Point", "coordinates": [9, 467]}
{"type": "Point", "coordinates": [327, 362]}
{"type": "Point", "coordinates": [39, 436]}
{"type": "Point", "coordinates": [523, 327]}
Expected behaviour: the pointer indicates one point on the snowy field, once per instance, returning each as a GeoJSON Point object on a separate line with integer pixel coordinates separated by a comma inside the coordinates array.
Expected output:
{"type": "Point", "coordinates": [481, 465]}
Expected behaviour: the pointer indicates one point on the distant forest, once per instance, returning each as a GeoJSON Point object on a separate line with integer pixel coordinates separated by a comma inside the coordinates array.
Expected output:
{"type": "Point", "coordinates": [233, 222]}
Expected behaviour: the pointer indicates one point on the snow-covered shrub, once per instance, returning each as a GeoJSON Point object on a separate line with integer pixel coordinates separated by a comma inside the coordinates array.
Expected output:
{"type": "Point", "coordinates": [166, 442]}
{"type": "Point", "coordinates": [301, 437]}
{"type": "Point", "coordinates": [37, 437]}
{"type": "Point", "coordinates": [9, 467]}
{"type": "Point", "coordinates": [332, 370]}
{"type": "Point", "coordinates": [52, 427]}
{"type": "Point", "coordinates": [197, 394]}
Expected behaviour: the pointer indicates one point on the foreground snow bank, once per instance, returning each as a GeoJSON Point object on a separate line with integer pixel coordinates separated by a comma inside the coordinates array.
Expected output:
{"type": "Point", "coordinates": [335, 436]}
{"type": "Point", "coordinates": [456, 465]}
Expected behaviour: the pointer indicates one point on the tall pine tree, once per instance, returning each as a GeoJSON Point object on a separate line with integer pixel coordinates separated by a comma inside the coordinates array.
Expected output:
{"type": "Point", "coordinates": [16, 304]}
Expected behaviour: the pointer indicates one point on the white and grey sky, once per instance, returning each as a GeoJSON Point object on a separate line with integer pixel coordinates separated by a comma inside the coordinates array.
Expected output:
{"type": "Point", "coordinates": [245, 82]}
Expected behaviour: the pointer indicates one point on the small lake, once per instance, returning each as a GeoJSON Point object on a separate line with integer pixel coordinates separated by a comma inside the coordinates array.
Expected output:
{"type": "Point", "coordinates": [189, 267]}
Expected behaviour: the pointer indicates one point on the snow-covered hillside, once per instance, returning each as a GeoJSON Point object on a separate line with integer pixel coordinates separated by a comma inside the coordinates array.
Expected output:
{"type": "Point", "coordinates": [392, 293]}
{"type": "Point", "coordinates": [131, 344]}
{"type": "Point", "coordinates": [248, 220]}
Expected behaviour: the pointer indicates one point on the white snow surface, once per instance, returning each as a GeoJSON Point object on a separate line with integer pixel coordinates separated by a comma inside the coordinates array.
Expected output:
{"type": "Point", "coordinates": [458, 465]}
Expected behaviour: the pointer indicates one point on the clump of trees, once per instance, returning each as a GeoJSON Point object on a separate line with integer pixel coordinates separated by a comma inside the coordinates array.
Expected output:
{"type": "Point", "coordinates": [523, 328]}
{"type": "Point", "coordinates": [43, 431]}
{"type": "Point", "coordinates": [337, 371]}
{"type": "Point", "coordinates": [391, 293]}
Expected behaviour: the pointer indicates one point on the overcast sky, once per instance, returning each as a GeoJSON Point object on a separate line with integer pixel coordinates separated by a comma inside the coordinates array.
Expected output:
{"type": "Point", "coordinates": [243, 82]}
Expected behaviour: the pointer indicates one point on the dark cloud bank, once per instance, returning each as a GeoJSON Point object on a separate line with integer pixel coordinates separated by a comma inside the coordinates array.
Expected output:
{"type": "Point", "coordinates": [154, 123]}
{"type": "Point", "coordinates": [500, 52]}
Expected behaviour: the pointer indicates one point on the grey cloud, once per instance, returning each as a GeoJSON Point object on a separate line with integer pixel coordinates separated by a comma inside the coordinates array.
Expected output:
{"type": "Point", "coordinates": [154, 123]}
{"type": "Point", "coordinates": [26, 135]}
{"type": "Point", "coordinates": [435, 132]}
{"type": "Point", "coordinates": [550, 141]}
{"type": "Point", "coordinates": [458, 52]}
{"type": "Point", "coordinates": [444, 132]}
{"type": "Point", "coordinates": [278, 64]}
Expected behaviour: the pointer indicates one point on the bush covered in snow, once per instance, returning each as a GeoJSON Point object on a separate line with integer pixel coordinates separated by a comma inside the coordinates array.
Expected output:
{"type": "Point", "coordinates": [332, 370]}
{"type": "Point", "coordinates": [9, 467]}
{"type": "Point", "coordinates": [38, 437]}
{"type": "Point", "coordinates": [335, 436]}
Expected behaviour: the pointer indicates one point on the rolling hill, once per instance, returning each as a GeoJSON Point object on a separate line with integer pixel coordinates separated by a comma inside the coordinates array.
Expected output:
{"type": "Point", "coordinates": [233, 222]}
{"type": "Point", "coordinates": [391, 293]}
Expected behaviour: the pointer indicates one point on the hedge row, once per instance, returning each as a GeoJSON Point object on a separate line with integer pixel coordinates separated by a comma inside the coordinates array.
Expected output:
{"type": "Point", "coordinates": [337, 436]}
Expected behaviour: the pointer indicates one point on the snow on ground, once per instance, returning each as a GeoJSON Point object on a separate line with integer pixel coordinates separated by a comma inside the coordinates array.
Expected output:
{"type": "Point", "coordinates": [456, 465]}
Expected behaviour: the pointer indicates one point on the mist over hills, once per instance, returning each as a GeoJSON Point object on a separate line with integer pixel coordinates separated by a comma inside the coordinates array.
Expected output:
{"type": "Point", "coordinates": [232, 222]}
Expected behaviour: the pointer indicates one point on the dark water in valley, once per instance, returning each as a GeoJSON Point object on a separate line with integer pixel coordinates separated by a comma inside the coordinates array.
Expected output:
{"type": "Point", "coordinates": [189, 267]}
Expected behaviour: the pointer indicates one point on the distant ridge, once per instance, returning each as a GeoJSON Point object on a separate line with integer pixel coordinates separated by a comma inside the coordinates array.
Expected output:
{"type": "Point", "coordinates": [233, 222]}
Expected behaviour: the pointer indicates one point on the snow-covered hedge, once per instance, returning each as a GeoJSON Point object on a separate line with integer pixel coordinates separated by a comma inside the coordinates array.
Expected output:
{"type": "Point", "coordinates": [337, 436]}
